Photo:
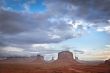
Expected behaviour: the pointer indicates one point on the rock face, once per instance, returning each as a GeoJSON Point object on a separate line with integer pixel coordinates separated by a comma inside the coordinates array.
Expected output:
{"type": "Point", "coordinates": [107, 61]}
{"type": "Point", "coordinates": [76, 58]}
{"type": "Point", "coordinates": [40, 59]}
{"type": "Point", "coordinates": [65, 56]}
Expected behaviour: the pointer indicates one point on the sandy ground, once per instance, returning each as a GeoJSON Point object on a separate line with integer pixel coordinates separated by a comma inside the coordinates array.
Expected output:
{"type": "Point", "coordinates": [52, 68]}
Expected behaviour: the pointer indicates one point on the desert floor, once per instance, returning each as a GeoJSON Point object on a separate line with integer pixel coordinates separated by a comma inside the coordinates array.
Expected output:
{"type": "Point", "coordinates": [52, 68]}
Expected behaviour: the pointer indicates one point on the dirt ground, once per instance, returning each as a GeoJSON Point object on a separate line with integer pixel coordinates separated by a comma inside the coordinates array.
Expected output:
{"type": "Point", "coordinates": [52, 68]}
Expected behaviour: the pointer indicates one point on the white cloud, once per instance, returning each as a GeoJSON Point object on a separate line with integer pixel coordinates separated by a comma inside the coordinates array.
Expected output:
{"type": "Point", "coordinates": [108, 46]}
{"type": "Point", "coordinates": [104, 29]}
{"type": "Point", "coordinates": [44, 46]}
{"type": "Point", "coordinates": [12, 49]}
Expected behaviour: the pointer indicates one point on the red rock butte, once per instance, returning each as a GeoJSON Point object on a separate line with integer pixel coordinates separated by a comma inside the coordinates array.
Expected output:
{"type": "Point", "coordinates": [65, 55]}
{"type": "Point", "coordinates": [39, 59]}
{"type": "Point", "coordinates": [65, 58]}
{"type": "Point", "coordinates": [107, 61]}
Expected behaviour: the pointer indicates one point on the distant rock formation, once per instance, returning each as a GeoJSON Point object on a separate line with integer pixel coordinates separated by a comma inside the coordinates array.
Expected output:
{"type": "Point", "coordinates": [40, 59]}
{"type": "Point", "coordinates": [76, 58]}
{"type": "Point", "coordinates": [65, 56]}
{"type": "Point", "coordinates": [107, 62]}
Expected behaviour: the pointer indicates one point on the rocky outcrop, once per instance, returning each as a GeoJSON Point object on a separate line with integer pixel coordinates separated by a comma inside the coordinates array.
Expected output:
{"type": "Point", "coordinates": [65, 56]}
{"type": "Point", "coordinates": [76, 58]}
{"type": "Point", "coordinates": [107, 62]}
{"type": "Point", "coordinates": [40, 59]}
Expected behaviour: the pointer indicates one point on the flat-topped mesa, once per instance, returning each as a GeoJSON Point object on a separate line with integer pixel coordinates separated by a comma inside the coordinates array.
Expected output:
{"type": "Point", "coordinates": [39, 59]}
{"type": "Point", "coordinates": [65, 56]}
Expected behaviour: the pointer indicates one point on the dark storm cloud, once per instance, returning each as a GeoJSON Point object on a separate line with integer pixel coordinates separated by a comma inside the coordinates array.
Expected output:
{"type": "Point", "coordinates": [90, 10]}
{"type": "Point", "coordinates": [12, 22]}
{"type": "Point", "coordinates": [95, 12]}
{"type": "Point", "coordinates": [2, 44]}
{"type": "Point", "coordinates": [20, 28]}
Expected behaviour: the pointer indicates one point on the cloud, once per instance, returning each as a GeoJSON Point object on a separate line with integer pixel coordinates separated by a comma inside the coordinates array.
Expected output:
{"type": "Point", "coordinates": [22, 30]}
{"type": "Point", "coordinates": [11, 49]}
{"type": "Point", "coordinates": [104, 29]}
{"type": "Point", "coordinates": [31, 28]}
{"type": "Point", "coordinates": [96, 13]}
{"type": "Point", "coordinates": [87, 9]}
{"type": "Point", "coordinates": [79, 51]}
{"type": "Point", "coordinates": [15, 53]}
{"type": "Point", "coordinates": [108, 46]}
{"type": "Point", "coordinates": [45, 48]}
{"type": "Point", "coordinates": [61, 20]}
{"type": "Point", "coordinates": [93, 10]}
{"type": "Point", "coordinates": [10, 21]}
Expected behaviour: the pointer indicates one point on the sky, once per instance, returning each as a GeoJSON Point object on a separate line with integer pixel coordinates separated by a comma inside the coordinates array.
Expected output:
{"type": "Point", "coordinates": [46, 27]}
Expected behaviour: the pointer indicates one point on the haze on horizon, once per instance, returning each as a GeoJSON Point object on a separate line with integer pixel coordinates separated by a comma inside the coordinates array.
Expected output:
{"type": "Point", "coordinates": [30, 27]}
